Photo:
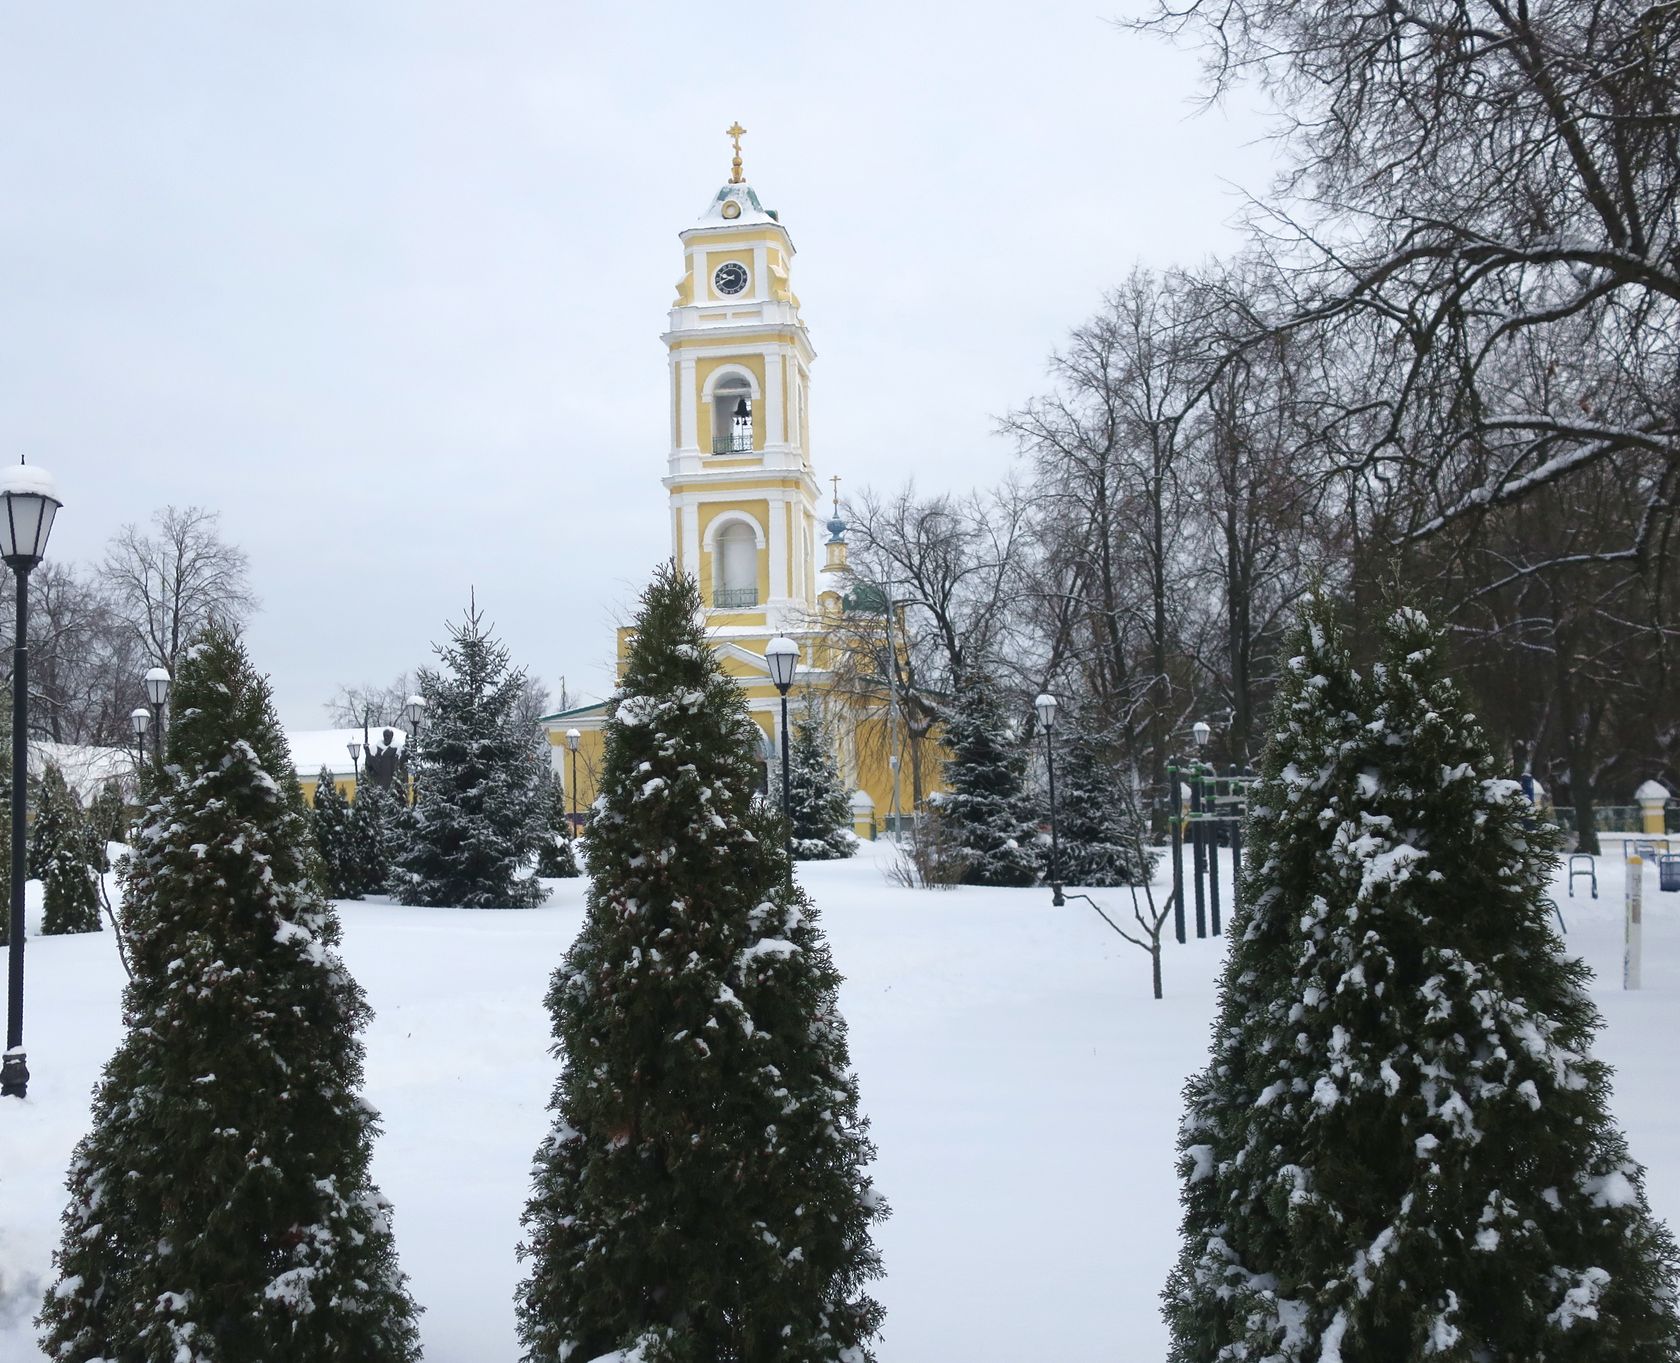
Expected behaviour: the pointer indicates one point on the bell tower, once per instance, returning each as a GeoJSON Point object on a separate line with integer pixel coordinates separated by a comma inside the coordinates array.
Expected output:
{"type": "Point", "coordinates": [742, 491]}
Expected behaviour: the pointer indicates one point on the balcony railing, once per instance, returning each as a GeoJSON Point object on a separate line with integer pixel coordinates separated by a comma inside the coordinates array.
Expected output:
{"type": "Point", "coordinates": [734, 598]}
{"type": "Point", "coordinates": [739, 442]}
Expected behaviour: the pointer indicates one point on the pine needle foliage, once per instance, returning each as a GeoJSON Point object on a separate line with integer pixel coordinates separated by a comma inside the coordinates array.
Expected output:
{"type": "Point", "coordinates": [481, 783]}
{"type": "Point", "coordinates": [220, 1207]}
{"type": "Point", "coordinates": [703, 1196]}
{"type": "Point", "coordinates": [556, 858]}
{"type": "Point", "coordinates": [819, 805]}
{"type": "Point", "coordinates": [378, 821]}
{"type": "Point", "coordinates": [335, 840]}
{"type": "Point", "coordinates": [60, 855]}
{"type": "Point", "coordinates": [985, 811]}
{"type": "Point", "coordinates": [1402, 1147]}
{"type": "Point", "coordinates": [1099, 827]}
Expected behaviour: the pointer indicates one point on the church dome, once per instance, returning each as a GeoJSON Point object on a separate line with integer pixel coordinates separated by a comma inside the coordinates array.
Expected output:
{"type": "Point", "coordinates": [737, 206]}
{"type": "Point", "coordinates": [837, 531]}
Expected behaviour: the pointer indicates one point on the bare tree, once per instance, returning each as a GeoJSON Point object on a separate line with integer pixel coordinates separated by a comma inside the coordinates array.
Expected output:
{"type": "Point", "coordinates": [168, 583]}
{"type": "Point", "coordinates": [371, 704]}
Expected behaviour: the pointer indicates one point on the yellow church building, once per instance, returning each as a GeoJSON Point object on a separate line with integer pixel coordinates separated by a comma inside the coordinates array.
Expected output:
{"type": "Point", "coordinates": [743, 496]}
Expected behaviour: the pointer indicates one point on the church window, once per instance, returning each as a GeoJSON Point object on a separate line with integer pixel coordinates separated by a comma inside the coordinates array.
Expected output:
{"type": "Point", "coordinates": [735, 567]}
{"type": "Point", "coordinates": [732, 417]}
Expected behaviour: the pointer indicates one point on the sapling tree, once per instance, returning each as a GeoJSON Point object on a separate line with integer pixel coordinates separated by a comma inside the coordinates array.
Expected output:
{"type": "Point", "coordinates": [61, 856]}
{"type": "Point", "coordinates": [1401, 1147]}
{"type": "Point", "coordinates": [335, 839]}
{"type": "Point", "coordinates": [220, 1207]}
{"type": "Point", "coordinates": [703, 1196]}
{"type": "Point", "coordinates": [985, 812]}
{"type": "Point", "coordinates": [819, 806]}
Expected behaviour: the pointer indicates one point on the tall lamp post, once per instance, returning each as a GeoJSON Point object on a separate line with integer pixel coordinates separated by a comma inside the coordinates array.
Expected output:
{"type": "Point", "coordinates": [782, 656]}
{"type": "Point", "coordinates": [1046, 707]}
{"type": "Point", "coordinates": [573, 738]}
{"type": "Point", "coordinates": [26, 518]}
{"type": "Point", "coordinates": [354, 748]}
{"type": "Point", "coordinates": [140, 719]}
{"type": "Point", "coordinates": [414, 710]}
{"type": "Point", "coordinates": [157, 692]}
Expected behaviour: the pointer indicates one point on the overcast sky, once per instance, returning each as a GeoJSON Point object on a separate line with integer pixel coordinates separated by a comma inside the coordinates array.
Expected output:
{"type": "Point", "coordinates": [383, 283]}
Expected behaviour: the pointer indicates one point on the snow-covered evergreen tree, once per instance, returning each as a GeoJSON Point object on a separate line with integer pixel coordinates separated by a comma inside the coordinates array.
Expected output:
{"type": "Point", "coordinates": [108, 814]}
{"type": "Point", "coordinates": [481, 783]}
{"type": "Point", "coordinates": [220, 1207]}
{"type": "Point", "coordinates": [557, 857]}
{"type": "Point", "coordinates": [1402, 1147]}
{"type": "Point", "coordinates": [335, 840]}
{"type": "Point", "coordinates": [1099, 829]}
{"type": "Point", "coordinates": [378, 823]}
{"type": "Point", "coordinates": [59, 857]}
{"type": "Point", "coordinates": [985, 810]}
{"type": "Point", "coordinates": [703, 1197]}
{"type": "Point", "coordinates": [819, 806]}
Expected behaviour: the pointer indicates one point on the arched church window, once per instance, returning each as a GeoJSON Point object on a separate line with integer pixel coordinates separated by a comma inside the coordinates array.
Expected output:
{"type": "Point", "coordinates": [735, 567]}
{"type": "Point", "coordinates": [732, 416]}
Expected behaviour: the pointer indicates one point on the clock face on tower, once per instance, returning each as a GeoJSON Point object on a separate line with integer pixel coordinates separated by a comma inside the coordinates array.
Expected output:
{"type": "Point", "coordinates": [731, 277]}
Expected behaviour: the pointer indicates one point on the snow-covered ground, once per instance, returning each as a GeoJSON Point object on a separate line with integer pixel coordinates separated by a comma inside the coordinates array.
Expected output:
{"type": "Point", "coordinates": [1024, 1090]}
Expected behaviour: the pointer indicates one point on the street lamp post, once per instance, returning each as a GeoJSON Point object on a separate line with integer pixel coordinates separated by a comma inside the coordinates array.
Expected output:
{"type": "Point", "coordinates": [782, 656]}
{"type": "Point", "coordinates": [355, 749]}
{"type": "Point", "coordinates": [573, 738]}
{"type": "Point", "coordinates": [414, 710]}
{"type": "Point", "coordinates": [157, 692]}
{"type": "Point", "coordinates": [1046, 707]}
{"type": "Point", "coordinates": [1198, 842]}
{"type": "Point", "coordinates": [140, 719]}
{"type": "Point", "coordinates": [30, 501]}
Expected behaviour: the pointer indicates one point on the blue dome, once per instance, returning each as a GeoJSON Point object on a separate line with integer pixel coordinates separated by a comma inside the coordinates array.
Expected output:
{"type": "Point", "coordinates": [837, 531]}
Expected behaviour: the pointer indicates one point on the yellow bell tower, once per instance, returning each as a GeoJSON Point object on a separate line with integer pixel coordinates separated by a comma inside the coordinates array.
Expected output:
{"type": "Point", "coordinates": [743, 495]}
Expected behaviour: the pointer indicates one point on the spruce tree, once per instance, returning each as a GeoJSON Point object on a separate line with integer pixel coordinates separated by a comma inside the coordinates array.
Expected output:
{"type": "Point", "coordinates": [985, 810]}
{"type": "Point", "coordinates": [703, 1197]}
{"type": "Point", "coordinates": [819, 807]}
{"type": "Point", "coordinates": [220, 1207]}
{"type": "Point", "coordinates": [59, 858]}
{"type": "Point", "coordinates": [108, 815]}
{"type": "Point", "coordinates": [376, 827]}
{"type": "Point", "coordinates": [556, 858]}
{"type": "Point", "coordinates": [481, 783]}
{"type": "Point", "coordinates": [335, 841]}
{"type": "Point", "coordinates": [1401, 1147]}
{"type": "Point", "coordinates": [1098, 824]}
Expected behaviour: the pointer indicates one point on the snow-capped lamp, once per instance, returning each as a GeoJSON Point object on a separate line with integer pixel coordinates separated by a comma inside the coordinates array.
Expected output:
{"type": "Point", "coordinates": [414, 710]}
{"type": "Point", "coordinates": [1201, 731]}
{"type": "Point", "coordinates": [1046, 707]}
{"type": "Point", "coordinates": [31, 502]}
{"type": "Point", "coordinates": [157, 685]}
{"type": "Point", "coordinates": [140, 719]}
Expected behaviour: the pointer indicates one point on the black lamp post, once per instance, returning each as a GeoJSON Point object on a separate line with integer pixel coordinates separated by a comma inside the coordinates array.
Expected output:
{"type": "Point", "coordinates": [140, 719]}
{"type": "Point", "coordinates": [782, 656]}
{"type": "Point", "coordinates": [1046, 707]}
{"type": "Point", "coordinates": [354, 747]}
{"type": "Point", "coordinates": [573, 738]}
{"type": "Point", "coordinates": [414, 710]}
{"type": "Point", "coordinates": [157, 692]}
{"type": "Point", "coordinates": [28, 503]}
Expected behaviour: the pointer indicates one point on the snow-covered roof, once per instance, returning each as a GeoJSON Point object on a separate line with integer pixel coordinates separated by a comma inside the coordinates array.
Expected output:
{"type": "Point", "coordinates": [313, 749]}
{"type": "Point", "coordinates": [748, 211]}
{"type": "Point", "coordinates": [86, 769]}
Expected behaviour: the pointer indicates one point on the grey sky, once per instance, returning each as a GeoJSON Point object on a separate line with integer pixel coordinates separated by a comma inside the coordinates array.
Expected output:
{"type": "Point", "coordinates": [384, 282]}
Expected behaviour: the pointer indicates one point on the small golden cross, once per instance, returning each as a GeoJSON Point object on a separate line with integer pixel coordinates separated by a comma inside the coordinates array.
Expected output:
{"type": "Point", "coordinates": [735, 130]}
{"type": "Point", "coordinates": [836, 481]}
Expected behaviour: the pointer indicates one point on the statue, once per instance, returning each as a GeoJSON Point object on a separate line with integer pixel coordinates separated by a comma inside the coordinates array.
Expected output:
{"type": "Point", "coordinates": [382, 763]}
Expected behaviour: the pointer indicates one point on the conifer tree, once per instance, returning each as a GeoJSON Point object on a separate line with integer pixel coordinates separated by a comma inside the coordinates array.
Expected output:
{"type": "Point", "coordinates": [481, 783]}
{"type": "Point", "coordinates": [377, 823]}
{"type": "Point", "coordinates": [59, 850]}
{"type": "Point", "coordinates": [556, 858]}
{"type": "Point", "coordinates": [1401, 1147]}
{"type": "Point", "coordinates": [703, 1197]}
{"type": "Point", "coordinates": [220, 1207]}
{"type": "Point", "coordinates": [985, 811]}
{"type": "Point", "coordinates": [108, 815]}
{"type": "Point", "coordinates": [335, 841]}
{"type": "Point", "coordinates": [819, 807]}
{"type": "Point", "coordinates": [1098, 823]}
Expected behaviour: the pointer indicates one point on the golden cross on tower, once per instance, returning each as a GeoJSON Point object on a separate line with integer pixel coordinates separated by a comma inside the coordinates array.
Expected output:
{"type": "Point", "coordinates": [836, 481]}
{"type": "Point", "coordinates": [734, 130]}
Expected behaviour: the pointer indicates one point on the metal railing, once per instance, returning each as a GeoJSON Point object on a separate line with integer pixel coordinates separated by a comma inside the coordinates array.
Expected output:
{"type": "Point", "coordinates": [738, 443]}
{"type": "Point", "coordinates": [734, 598]}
